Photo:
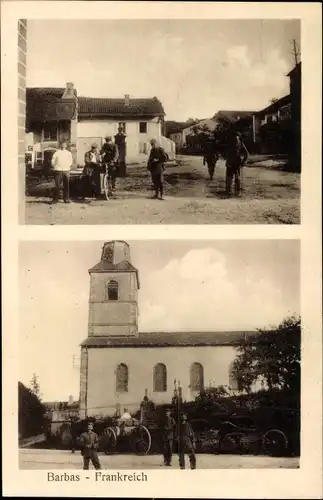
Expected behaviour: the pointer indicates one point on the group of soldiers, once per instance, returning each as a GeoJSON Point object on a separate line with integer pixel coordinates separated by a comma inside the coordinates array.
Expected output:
{"type": "Point", "coordinates": [181, 432]}
{"type": "Point", "coordinates": [236, 155]}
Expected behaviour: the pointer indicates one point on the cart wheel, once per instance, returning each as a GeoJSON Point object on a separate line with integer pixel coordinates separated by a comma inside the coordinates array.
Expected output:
{"type": "Point", "coordinates": [106, 187]}
{"type": "Point", "coordinates": [140, 440]}
{"type": "Point", "coordinates": [109, 439]}
{"type": "Point", "coordinates": [274, 442]}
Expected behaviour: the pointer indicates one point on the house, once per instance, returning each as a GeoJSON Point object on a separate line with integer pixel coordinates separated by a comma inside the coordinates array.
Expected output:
{"type": "Point", "coordinates": [56, 114]}
{"type": "Point", "coordinates": [232, 116]}
{"type": "Point", "coordinates": [279, 109]}
{"type": "Point", "coordinates": [119, 364]}
{"type": "Point", "coordinates": [295, 86]}
{"type": "Point", "coordinates": [180, 137]}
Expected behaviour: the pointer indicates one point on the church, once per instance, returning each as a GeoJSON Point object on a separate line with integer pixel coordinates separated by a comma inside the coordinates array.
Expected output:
{"type": "Point", "coordinates": [119, 364]}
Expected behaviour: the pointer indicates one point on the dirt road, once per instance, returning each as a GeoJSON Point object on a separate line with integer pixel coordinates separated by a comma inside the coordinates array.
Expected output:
{"type": "Point", "coordinates": [35, 459]}
{"type": "Point", "coordinates": [270, 196]}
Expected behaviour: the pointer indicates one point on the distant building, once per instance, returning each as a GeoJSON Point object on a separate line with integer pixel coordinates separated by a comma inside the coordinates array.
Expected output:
{"type": "Point", "coordinates": [119, 364]}
{"type": "Point", "coordinates": [180, 138]}
{"type": "Point", "coordinates": [56, 114]}
{"type": "Point", "coordinates": [278, 110]}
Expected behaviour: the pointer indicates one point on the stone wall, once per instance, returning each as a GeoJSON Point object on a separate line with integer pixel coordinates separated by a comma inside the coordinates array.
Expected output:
{"type": "Point", "coordinates": [22, 72]}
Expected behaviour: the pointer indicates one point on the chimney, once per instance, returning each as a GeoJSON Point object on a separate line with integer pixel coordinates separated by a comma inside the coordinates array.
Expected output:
{"type": "Point", "coordinates": [70, 400]}
{"type": "Point", "coordinates": [126, 99]}
{"type": "Point", "coordinates": [69, 92]}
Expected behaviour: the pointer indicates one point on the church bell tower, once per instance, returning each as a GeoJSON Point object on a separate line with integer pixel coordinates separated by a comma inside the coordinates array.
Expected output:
{"type": "Point", "coordinates": [113, 301]}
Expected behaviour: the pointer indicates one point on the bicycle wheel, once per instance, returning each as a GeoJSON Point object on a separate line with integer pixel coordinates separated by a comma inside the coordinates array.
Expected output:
{"type": "Point", "coordinates": [106, 186]}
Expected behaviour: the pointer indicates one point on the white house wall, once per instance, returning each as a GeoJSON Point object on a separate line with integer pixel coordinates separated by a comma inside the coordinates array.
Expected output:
{"type": "Point", "coordinates": [96, 130]}
{"type": "Point", "coordinates": [102, 362]}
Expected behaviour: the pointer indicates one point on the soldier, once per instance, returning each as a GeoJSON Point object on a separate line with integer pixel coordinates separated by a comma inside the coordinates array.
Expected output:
{"type": "Point", "coordinates": [186, 442]}
{"type": "Point", "coordinates": [169, 427]}
{"type": "Point", "coordinates": [210, 157]}
{"type": "Point", "coordinates": [92, 170]}
{"type": "Point", "coordinates": [89, 442]}
{"type": "Point", "coordinates": [156, 166]}
{"type": "Point", "coordinates": [62, 162]}
{"type": "Point", "coordinates": [237, 155]}
{"type": "Point", "coordinates": [110, 154]}
{"type": "Point", "coordinates": [120, 141]}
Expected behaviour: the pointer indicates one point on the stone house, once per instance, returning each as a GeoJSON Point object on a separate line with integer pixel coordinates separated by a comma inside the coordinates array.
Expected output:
{"type": "Point", "coordinates": [54, 114]}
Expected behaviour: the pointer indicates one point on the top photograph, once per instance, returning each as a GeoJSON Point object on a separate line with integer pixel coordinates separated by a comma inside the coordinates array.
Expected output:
{"type": "Point", "coordinates": [159, 121]}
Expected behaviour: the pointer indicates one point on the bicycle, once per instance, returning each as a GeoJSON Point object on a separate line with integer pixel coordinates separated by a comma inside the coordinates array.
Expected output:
{"type": "Point", "coordinates": [109, 179]}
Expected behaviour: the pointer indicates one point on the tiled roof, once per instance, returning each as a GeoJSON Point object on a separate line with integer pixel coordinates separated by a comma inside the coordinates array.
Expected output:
{"type": "Point", "coordinates": [170, 339]}
{"type": "Point", "coordinates": [283, 101]}
{"type": "Point", "coordinates": [232, 115]}
{"type": "Point", "coordinates": [92, 106]}
{"type": "Point", "coordinates": [46, 104]}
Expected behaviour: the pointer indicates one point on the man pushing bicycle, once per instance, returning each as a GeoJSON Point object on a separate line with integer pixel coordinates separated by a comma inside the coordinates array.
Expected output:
{"type": "Point", "coordinates": [109, 154]}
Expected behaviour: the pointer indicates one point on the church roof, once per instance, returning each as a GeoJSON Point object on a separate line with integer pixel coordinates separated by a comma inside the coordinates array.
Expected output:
{"type": "Point", "coordinates": [104, 266]}
{"type": "Point", "coordinates": [171, 339]}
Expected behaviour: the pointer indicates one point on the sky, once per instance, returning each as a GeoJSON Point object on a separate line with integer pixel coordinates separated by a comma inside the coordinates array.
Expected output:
{"type": "Point", "coordinates": [184, 285]}
{"type": "Point", "coordinates": [195, 67]}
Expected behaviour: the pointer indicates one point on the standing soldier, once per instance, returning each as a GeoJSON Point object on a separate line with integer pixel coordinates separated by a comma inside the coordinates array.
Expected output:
{"type": "Point", "coordinates": [237, 155]}
{"type": "Point", "coordinates": [92, 170]}
{"type": "Point", "coordinates": [109, 153]}
{"type": "Point", "coordinates": [156, 166]}
{"type": "Point", "coordinates": [62, 162]}
{"type": "Point", "coordinates": [169, 428]}
{"type": "Point", "coordinates": [120, 141]}
{"type": "Point", "coordinates": [186, 442]}
{"type": "Point", "coordinates": [210, 157]}
{"type": "Point", "coordinates": [89, 442]}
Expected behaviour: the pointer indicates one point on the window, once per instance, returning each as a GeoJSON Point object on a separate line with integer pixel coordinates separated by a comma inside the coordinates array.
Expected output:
{"type": "Point", "coordinates": [160, 378]}
{"type": "Point", "coordinates": [123, 125]}
{"type": "Point", "coordinates": [143, 127]}
{"type": "Point", "coordinates": [122, 378]}
{"type": "Point", "coordinates": [112, 290]}
{"type": "Point", "coordinates": [50, 132]}
{"type": "Point", "coordinates": [143, 148]}
{"type": "Point", "coordinates": [196, 377]}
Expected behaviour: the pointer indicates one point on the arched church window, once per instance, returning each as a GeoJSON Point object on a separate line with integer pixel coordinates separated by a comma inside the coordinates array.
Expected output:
{"type": "Point", "coordinates": [160, 378]}
{"type": "Point", "coordinates": [122, 378]}
{"type": "Point", "coordinates": [233, 383]}
{"type": "Point", "coordinates": [196, 377]}
{"type": "Point", "coordinates": [112, 290]}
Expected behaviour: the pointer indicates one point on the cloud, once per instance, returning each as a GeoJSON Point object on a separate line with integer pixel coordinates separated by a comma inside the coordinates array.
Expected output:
{"type": "Point", "coordinates": [197, 292]}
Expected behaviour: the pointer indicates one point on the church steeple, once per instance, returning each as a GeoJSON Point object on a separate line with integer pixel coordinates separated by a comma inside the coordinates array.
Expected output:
{"type": "Point", "coordinates": [114, 284]}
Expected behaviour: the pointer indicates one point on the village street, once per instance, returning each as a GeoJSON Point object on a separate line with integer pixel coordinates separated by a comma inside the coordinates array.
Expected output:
{"type": "Point", "coordinates": [270, 196]}
{"type": "Point", "coordinates": [40, 459]}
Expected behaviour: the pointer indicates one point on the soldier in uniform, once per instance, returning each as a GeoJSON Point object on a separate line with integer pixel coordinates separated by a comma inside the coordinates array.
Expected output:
{"type": "Point", "coordinates": [120, 141]}
{"type": "Point", "coordinates": [237, 155]}
{"type": "Point", "coordinates": [92, 170]}
{"type": "Point", "coordinates": [156, 166]}
{"type": "Point", "coordinates": [186, 442]}
{"type": "Point", "coordinates": [109, 153]}
{"type": "Point", "coordinates": [89, 442]}
{"type": "Point", "coordinates": [210, 157]}
{"type": "Point", "coordinates": [74, 431]}
{"type": "Point", "coordinates": [169, 428]}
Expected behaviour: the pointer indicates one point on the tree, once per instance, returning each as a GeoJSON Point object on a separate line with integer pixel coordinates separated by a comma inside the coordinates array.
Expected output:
{"type": "Point", "coordinates": [31, 412]}
{"type": "Point", "coordinates": [34, 386]}
{"type": "Point", "coordinates": [272, 356]}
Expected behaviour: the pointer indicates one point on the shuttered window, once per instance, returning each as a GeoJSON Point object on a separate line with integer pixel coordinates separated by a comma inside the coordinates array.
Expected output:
{"type": "Point", "coordinates": [160, 378]}
{"type": "Point", "coordinates": [122, 378]}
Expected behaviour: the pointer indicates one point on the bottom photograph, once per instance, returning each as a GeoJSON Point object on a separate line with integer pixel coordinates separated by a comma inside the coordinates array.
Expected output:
{"type": "Point", "coordinates": [159, 354]}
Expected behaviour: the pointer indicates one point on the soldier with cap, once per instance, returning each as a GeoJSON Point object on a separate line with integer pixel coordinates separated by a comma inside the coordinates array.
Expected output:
{"type": "Point", "coordinates": [168, 435]}
{"type": "Point", "coordinates": [110, 154]}
{"type": "Point", "coordinates": [92, 170]}
{"type": "Point", "coordinates": [186, 442]}
{"type": "Point", "coordinates": [156, 166]}
{"type": "Point", "coordinates": [120, 141]}
{"type": "Point", "coordinates": [89, 442]}
{"type": "Point", "coordinates": [237, 155]}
